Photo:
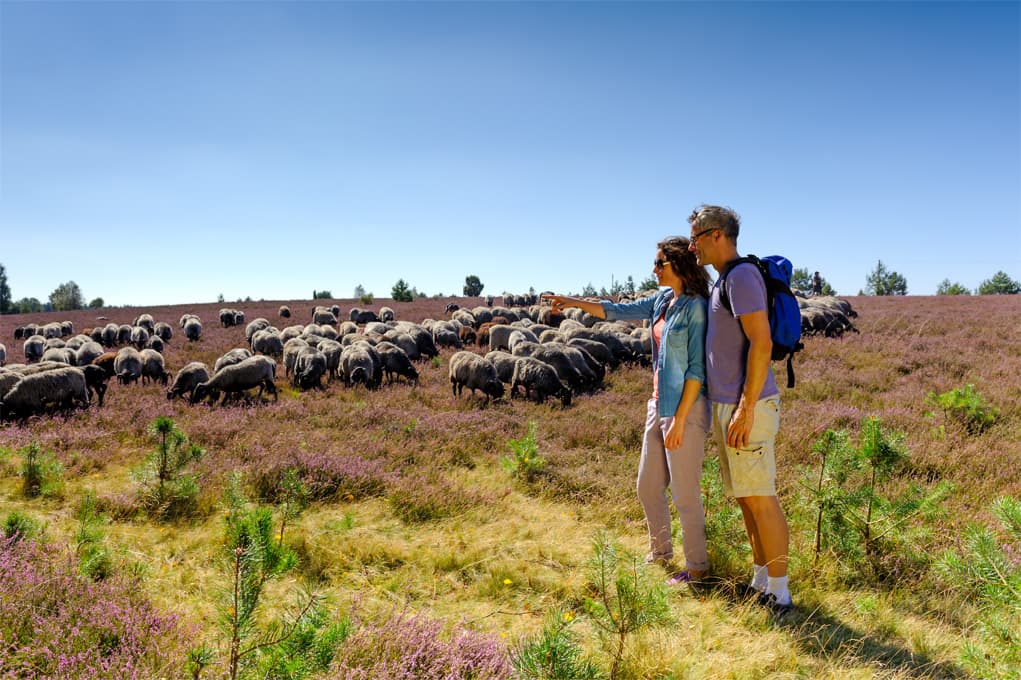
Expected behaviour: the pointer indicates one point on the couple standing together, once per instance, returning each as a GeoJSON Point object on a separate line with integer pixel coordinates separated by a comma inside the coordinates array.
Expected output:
{"type": "Point", "coordinates": [711, 372]}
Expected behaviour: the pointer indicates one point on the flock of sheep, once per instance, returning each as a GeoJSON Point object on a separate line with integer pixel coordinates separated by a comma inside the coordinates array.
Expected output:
{"type": "Point", "coordinates": [527, 350]}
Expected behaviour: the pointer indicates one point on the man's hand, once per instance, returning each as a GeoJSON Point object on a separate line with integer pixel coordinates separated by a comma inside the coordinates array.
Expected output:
{"type": "Point", "coordinates": [740, 426]}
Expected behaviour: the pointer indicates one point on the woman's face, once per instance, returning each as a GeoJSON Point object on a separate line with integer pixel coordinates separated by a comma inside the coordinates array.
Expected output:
{"type": "Point", "coordinates": [664, 270]}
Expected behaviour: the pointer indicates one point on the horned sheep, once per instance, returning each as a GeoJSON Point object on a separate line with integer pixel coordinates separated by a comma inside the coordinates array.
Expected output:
{"type": "Point", "coordinates": [361, 363]}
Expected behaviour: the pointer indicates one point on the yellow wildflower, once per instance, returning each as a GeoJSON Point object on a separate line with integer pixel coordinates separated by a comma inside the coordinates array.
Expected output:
{"type": "Point", "coordinates": [507, 581]}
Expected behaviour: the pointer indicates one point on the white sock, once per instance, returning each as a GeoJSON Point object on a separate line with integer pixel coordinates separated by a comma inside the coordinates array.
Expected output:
{"type": "Point", "coordinates": [777, 585]}
{"type": "Point", "coordinates": [759, 576]}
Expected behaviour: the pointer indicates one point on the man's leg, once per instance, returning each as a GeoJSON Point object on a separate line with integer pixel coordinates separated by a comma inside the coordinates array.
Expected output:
{"type": "Point", "coordinates": [767, 529]}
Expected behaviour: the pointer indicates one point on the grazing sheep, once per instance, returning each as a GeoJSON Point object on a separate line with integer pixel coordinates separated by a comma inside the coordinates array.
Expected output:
{"type": "Point", "coordinates": [153, 367]}
{"type": "Point", "coordinates": [451, 307]}
{"type": "Point", "coordinates": [467, 335]}
{"type": "Point", "coordinates": [504, 364]}
{"type": "Point", "coordinates": [322, 316]}
{"type": "Point", "coordinates": [61, 388]}
{"type": "Point", "coordinates": [187, 379]}
{"type": "Point", "coordinates": [61, 354]}
{"type": "Point", "coordinates": [539, 381]}
{"type": "Point", "coordinates": [234, 356]}
{"type": "Point", "coordinates": [34, 347]}
{"type": "Point", "coordinates": [145, 321]}
{"type": "Point", "coordinates": [309, 367]}
{"type": "Point", "coordinates": [499, 336]}
{"type": "Point", "coordinates": [482, 315]}
{"type": "Point", "coordinates": [361, 363]}
{"type": "Point", "coordinates": [363, 316]}
{"type": "Point", "coordinates": [97, 334]}
{"type": "Point", "coordinates": [128, 365]}
{"type": "Point", "coordinates": [19, 332]}
{"type": "Point", "coordinates": [332, 350]}
{"type": "Point", "coordinates": [52, 330]}
{"type": "Point", "coordinates": [193, 329]}
{"type": "Point", "coordinates": [423, 340]}
{"type": "Point", "coordinates": [597, 350]}
{"type": "Point", "coordinates": [163, 330]}
{"type": "Point", "coordinates": [95, 380]}
{"type": "Point", "coordinates": [231, 317]}
{"type": "Point", "coordinates": [386, 314]}
{"type": "Point", "coordinates": [7, 380]}
{"type": "Point", "coordinates": [284, 312]}
{"type": "Point", "coordinates": [405, 342]}
{"type": "Point", "coordinates": [124, 334]}
{"type": "Point", "coordinates": [105, 361]}
{"type": "Point", "coordinates": [444, 337]}
{"type": "Point", "coordinates": [468, 369]}
{"type": "Point", "coordinates": [110, 331]}
{"type": "Point", "coordinates": [555, 356]}
{"type": "Point", "coordinates": [3, 354]}
{"type": "Point", "coordinates": [375, 328]}
{"type": "Point", "coordinates": [396, 362]}
{"type": "Point", "coordinates": [347, 328]}
{"type": "Point", "coordinates": [465, 318]}
{"type": "Point", "coordinates": [139, 336]}
{"type": "Point", "coordinates": [255, 371]}
{"type": "Point", "coordinates": [590, 368]}
{"type": "Point", "coordinates": [156, 343]}
{"type": "Point", "coordinates": [290, 354]}
{"type": "Point", "coordinates": [254, 326]}
{"type": "Point", "coordinates": [55, 343]}
{"type": "Point", "coordinates": [268, 342]}
{"type": "Point", "coordinates": [77, 341]}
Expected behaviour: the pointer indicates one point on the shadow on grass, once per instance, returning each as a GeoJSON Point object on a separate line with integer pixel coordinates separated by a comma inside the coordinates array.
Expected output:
{"type": "Point", "coordinates": [819, 634]}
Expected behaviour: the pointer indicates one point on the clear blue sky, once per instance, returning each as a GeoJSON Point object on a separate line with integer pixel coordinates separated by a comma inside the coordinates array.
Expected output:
{"type": "Point", "coordinates": [168, 152]}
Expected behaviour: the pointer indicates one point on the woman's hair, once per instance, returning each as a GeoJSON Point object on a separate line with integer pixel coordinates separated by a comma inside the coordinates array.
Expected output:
{"type": "Point", "coordinates": [694, 277]}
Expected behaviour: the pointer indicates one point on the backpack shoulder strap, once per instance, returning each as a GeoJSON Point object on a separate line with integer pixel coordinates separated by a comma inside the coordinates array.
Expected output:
{"type": "Point", "coordinates": [747, 259]}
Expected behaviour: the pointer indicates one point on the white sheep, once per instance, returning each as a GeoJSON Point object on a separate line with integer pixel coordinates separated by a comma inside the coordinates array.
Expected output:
{"type": "Point", "coordinates": [187, 379]}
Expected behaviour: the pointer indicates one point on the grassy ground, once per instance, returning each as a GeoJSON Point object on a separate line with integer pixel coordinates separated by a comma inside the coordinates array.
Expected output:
{"type": "Point", "coordinates": [413, 510]}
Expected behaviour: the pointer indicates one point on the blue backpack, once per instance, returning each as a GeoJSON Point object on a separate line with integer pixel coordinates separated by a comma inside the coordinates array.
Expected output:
{"type": "Point", "coordinates": [784, 313]}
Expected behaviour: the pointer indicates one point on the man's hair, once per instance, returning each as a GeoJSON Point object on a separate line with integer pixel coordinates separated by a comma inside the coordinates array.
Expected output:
{"type": "Point", "coordinates": [694, 277]}
{"type": "Point", "coordinates": [706, 217]}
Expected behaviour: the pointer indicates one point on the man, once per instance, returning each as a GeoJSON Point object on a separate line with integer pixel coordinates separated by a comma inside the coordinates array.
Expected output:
{"type": "Point", "coordinates": [745, 399]}
{"type": "Point", "coordinates": [816, 284]}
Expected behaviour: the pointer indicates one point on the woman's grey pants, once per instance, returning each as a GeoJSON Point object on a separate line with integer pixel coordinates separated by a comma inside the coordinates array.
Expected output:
{"type": "Point", "coordinates": [680, 470]}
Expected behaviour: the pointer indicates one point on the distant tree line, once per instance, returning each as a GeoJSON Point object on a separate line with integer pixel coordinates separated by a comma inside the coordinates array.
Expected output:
{"type": "Point", "coordinates": [67, 296]}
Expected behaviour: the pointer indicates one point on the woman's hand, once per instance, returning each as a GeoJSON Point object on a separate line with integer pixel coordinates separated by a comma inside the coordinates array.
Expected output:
{"type": "Point", "coordinates": [674, 434]}
{"type": "Point", "coordinates": [557, 302]}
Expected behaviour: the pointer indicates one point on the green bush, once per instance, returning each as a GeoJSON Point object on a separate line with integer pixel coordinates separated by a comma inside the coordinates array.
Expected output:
{"type": "Point", "coordinates": [41, 473]}
{"type": "Point", "coordinates": [165, 491]}
{"type": "Point", "coordinates": [21, 525]}
{"type": "Point", "coordinates": [524, 463]}
{"type": "Point", "coordinates": [987, 571]}
{"type": "Point", "coordinates": [966, 407]}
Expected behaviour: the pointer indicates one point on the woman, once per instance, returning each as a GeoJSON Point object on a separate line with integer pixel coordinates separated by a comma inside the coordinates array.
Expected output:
{"type": "Point", "coordinates": [678, 413]}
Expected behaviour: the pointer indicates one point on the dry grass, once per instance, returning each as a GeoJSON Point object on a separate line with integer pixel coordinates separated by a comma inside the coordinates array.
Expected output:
{"type": "Point", "coordinates": [498, 554]}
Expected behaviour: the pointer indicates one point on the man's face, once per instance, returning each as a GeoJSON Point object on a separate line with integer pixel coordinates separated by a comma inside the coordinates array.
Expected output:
{"type": "Point", "coordinates": [701, 244]}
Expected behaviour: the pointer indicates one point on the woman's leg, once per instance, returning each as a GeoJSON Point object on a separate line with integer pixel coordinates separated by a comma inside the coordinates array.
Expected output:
{"type": "Point", "coordinates": [685, 475]}
{"type": "Point", "coordinates": [653, 477]}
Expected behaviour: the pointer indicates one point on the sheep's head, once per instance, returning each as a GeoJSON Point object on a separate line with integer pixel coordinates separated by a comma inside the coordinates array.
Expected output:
{"type": "Point", "coordinates": [494, 388]}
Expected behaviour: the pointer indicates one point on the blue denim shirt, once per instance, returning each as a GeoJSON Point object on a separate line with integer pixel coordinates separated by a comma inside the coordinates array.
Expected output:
{"type": "Point", "coordinates": [681, 353]}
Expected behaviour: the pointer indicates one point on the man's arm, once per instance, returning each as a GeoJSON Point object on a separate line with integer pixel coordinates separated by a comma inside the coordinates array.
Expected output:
{"type": "Point", "coordinates": [756, 328]}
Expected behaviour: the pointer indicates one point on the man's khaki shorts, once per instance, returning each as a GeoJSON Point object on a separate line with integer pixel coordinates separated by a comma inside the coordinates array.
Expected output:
{"type": "Point", "coordinates": [750, 471]}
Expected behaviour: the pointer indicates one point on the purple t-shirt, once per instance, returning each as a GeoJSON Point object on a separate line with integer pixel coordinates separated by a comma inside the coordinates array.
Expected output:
{"type": "Point", "coordinates": [725, 343]}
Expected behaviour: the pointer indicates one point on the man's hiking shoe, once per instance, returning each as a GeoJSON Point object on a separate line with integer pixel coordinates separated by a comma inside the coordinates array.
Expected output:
{"type": "Point", "coordinates": [745, 591]}
{"type": "Point", "coordinates": [768, 600]}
